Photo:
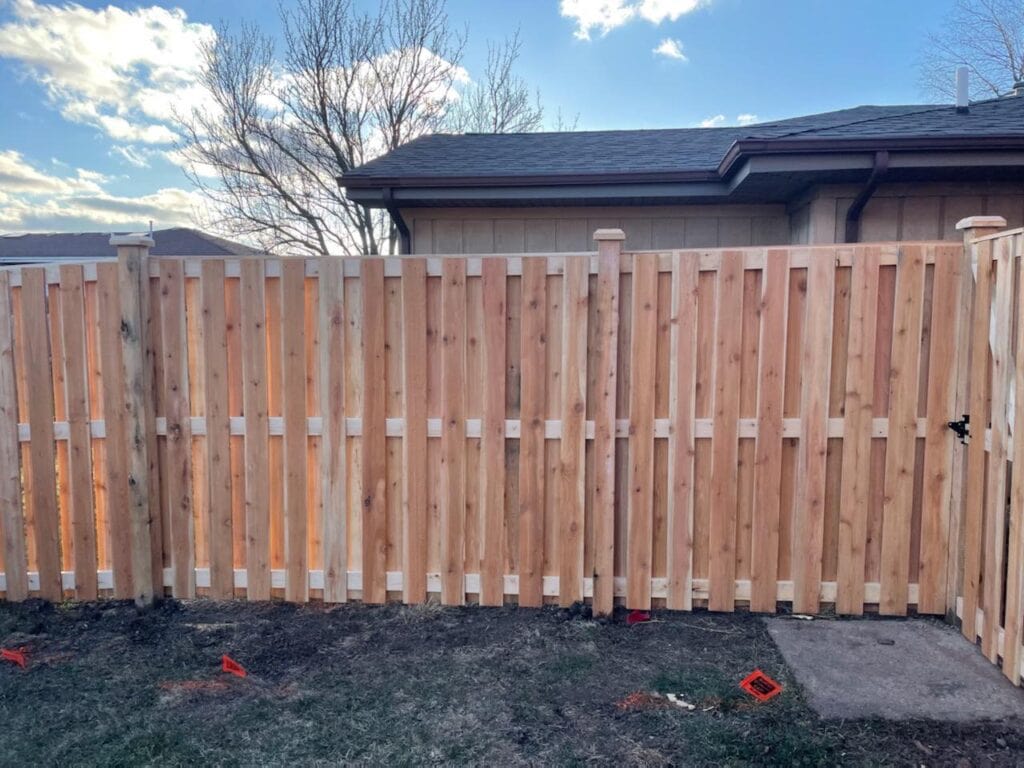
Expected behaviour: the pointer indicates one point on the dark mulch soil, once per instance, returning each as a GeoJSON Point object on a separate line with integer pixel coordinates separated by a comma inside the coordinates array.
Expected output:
{"type": "Point", "coordinates": [351, 684]}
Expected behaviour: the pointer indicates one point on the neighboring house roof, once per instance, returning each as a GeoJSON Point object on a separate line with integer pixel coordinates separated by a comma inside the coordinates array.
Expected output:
{"type": "Point", "coordinates": [717, 162]}
{"type": "Point", "coordinates": [83, 246]}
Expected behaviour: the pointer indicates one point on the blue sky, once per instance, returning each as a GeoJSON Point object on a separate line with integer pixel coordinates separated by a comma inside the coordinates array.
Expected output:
{"type": "Point", "coordinates": [71, 160]}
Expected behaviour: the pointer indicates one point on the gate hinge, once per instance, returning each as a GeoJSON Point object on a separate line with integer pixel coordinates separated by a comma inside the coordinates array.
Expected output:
{"type": "Point", "coordinates": [962, 428]}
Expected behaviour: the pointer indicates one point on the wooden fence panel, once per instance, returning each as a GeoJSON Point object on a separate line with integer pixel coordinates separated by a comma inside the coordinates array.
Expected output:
{"type": "Point", "coordinates": [680, 429]}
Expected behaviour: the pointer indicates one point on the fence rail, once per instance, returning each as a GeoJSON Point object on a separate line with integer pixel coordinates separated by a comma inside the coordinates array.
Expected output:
{"type": "Point", "coordinates": [714, 427]}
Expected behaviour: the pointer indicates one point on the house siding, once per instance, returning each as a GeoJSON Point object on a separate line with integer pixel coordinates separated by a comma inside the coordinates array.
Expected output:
{"type": "Point", "coordinates": [895, 212]}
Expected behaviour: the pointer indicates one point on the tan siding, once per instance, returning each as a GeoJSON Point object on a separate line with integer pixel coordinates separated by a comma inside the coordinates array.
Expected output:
{"type": "Point", "coordinates": [895, 212]}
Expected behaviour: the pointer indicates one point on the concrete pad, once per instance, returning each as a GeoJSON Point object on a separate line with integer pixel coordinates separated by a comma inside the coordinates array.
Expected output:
{"type": "Point", "coordinates": [893, 669]}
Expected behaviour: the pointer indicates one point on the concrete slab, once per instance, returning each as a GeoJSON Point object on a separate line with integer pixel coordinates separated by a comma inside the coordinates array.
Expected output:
{"type": "Point", "coordinates": [893, 669]}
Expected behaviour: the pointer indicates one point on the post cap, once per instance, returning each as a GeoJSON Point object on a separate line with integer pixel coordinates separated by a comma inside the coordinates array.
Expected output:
{"type": "Point", "coordinates": [979, 222]}
{"type": "Point", "coordinates": [609, 234]}
{"type": "Point", "coordinates": [139, 240]}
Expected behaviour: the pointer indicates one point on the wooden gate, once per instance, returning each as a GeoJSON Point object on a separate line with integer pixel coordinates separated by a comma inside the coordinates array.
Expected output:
{"type": "Point", "coordinates": [992, 606]}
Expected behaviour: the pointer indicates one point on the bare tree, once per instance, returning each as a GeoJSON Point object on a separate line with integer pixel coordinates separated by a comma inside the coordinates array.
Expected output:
{"type": "Point", "coordinates": [987, 36]}
{"type": "Point", "coordinates": [349, 86]}
{"type": "Point", "coordinates": [500, 102]}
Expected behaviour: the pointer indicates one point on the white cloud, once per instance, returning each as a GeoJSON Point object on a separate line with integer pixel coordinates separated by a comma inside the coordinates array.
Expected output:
{"type": "Point", "coordinates": [718, 121]}
{"type": "Point", "coordinates": [671, 49]}
{"type": "Point", "coordinates": [123, 72]}
{"type": "Point", "coordinates": [130, 155]}
{"type": "Point", "coordinates": [657, 11]}
{"type": "Point", "coordinates": [32, 199]}
{"type": "Point", "coordinates": [606, 15]}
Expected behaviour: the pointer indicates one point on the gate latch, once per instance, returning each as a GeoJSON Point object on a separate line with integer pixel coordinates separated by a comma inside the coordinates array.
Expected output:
{"type": "Point", "coordinates": [962, 428]}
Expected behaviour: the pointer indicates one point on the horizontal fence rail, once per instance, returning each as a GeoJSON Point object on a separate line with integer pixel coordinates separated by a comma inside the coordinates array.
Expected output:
{"type": "Point", "coordinates": [713, 427]}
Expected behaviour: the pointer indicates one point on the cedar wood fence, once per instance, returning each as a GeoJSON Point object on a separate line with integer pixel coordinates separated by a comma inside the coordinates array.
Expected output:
{"type": "Point", "coordinates": [713, 427]}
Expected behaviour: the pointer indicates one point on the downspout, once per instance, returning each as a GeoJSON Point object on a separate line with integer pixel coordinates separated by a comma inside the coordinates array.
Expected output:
{"type": "Point", "coordinates": [404, 239]}
{"type": "Point", "coordinates": [878, 172]}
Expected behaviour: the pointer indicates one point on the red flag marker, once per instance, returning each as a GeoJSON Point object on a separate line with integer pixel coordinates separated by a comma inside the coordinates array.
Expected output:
{"type": "Point", "coordinates": [229, 665]}
{"type": "Point", "coordinates": [15, 657]}
{"type": "Point", "coordinates": [637, 617]}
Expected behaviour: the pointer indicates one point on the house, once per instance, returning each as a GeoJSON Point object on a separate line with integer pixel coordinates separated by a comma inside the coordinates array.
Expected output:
{"type": "Point", "coordinates": [85, 246]}
{"type": "Point", "coordinates": [870, 173]}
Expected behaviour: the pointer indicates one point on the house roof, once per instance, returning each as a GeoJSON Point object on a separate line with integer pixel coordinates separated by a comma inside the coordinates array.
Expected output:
{"type": "Point", "coordinates": [701, 156]}
{"type": "Point", "coordinates": [83, 246]}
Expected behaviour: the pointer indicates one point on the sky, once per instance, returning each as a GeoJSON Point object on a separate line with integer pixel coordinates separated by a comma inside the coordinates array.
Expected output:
{"type": "Point", "coordinates": [90, 90]}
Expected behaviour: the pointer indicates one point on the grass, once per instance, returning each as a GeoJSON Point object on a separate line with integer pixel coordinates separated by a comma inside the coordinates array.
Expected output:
{"type": "Point", "coordinates": [412, 686]}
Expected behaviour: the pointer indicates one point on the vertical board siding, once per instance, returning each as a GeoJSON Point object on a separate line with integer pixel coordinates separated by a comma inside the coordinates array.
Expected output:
{"type": "Point", "coordinates": [681, 428]}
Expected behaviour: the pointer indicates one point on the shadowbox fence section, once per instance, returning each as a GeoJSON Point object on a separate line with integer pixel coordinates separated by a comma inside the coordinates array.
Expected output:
{"type": "Point", "coordinates": [715, 426]}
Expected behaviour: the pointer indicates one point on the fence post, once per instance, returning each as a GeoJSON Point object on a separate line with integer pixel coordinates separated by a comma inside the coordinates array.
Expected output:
{"type": "Point", "coordinates": [133, 278]}
{"type": "Point", "coordinates": [972, 227]}
{"type": "Point", "coordinates": [609, 254]}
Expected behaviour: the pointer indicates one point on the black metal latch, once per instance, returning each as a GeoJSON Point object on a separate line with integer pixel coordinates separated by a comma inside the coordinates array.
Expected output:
{"type": "Point", "coordinates": [962, 428]}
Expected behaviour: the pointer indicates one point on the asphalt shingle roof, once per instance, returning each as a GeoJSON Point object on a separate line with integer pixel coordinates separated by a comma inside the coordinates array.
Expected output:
{"type": "Point", "coordinates": [83, 246]}
{"type": "Point", "coordinates": [673, 149]}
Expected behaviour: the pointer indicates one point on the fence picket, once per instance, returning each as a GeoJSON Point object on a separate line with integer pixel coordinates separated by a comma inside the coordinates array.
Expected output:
{"type": "Point", "coordinates": [809, 512]}
{"type": "Point", "coordinates": [995, 498]}
{"type": "Point", "coordinates": [725, 428]}
{"type": "Point", "coordinates": [255, 407]}
{"type": "Point", "coordinates": [12, 521]}
{"type": "Point", "coordinates": [293, 357]}
{"type": "Point", "coordinates": [531, 438]}
{"type": "Point", "coordinates": [80, 496]}
{"type": "Point", "coordinates": [453, 431]}
{"type": "Point", "coordinates": [374, 454]}
{"type": "Point", "coordinates": [939, 439]}
{"type": "Point", "coordinates": [856, 468]}
{"type": "Point", "coordinates": [572, 445]}
{"type": "Point", "coordinates": [218, 433]}
{"type": "Point", "coordinates": [179, 431]}
{"type": "Point", "coordinates": [639, 539]}
{"type": "Point", "coordinates": [333, 460]}
{"type": "Point", "coordinates": [768, 448]}
{"type": "Point", "coordinates": [900, 452]}
{"type": "Point", "coordinates": [682, 401]}
{"type": "Point", "coordinates": [38, 382]}
{"type": "Point", "coordinates": [492, 449]}
{"type": "Point", "coordinates": [1012, 650]}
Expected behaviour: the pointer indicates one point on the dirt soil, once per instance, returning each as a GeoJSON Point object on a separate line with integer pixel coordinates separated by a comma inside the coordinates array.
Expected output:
{"type": "Point", "coordinates": [106, 685]}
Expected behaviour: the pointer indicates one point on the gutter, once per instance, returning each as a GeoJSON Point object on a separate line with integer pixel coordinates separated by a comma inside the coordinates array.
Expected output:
{"type": "Point", "coordinates": [878, 173]}
{"type": "Point", "coordinates": [404, 238]}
